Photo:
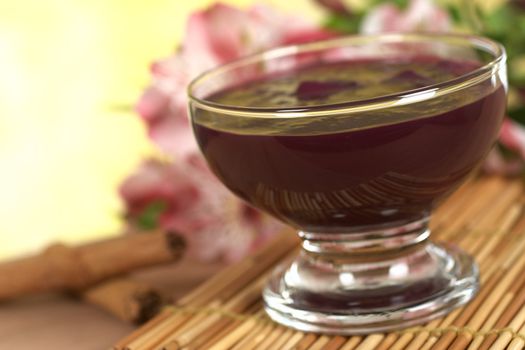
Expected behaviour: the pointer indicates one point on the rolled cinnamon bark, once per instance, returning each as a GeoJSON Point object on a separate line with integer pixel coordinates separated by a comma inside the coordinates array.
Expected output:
{"type": "Point", "coordinates": [65, 268]}
{"type": "Point", "coordinates": [127, 299]}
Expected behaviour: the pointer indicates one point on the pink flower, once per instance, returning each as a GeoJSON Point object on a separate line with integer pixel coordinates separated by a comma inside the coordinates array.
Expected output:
{"type": "Point", "coordinates": [156, 182]}
{"type": "Point", "coordinates": [214, 36]}
{"type": "Point", "coordinates": [421, 15]}
{"type": "Point", "coordinates": [495, 163]}
{"type": "Point", "coordinates": [193, 202]}
{"type": "Point", "coordinates": [188, 198]}
{"type": "Point", "coordinates": [512, 138]}
{"type": "Point", "coordinates": [213, 221]}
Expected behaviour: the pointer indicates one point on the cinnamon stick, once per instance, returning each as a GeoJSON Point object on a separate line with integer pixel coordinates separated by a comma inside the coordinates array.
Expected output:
{"type": "Point", "coordinates": [128, 300]}
{"type": "Point", "coordinates": [221, 287]}
{"type": "Point", "coordinates": [65, 268]}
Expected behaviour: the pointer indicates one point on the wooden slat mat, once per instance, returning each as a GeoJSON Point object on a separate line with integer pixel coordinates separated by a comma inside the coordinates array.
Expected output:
{"type": "Point", "coordinates": [484, 217]}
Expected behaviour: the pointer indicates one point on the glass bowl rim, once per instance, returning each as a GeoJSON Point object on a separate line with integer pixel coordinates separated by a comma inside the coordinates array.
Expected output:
{"type": "Point", "coordinates": [396, 99]}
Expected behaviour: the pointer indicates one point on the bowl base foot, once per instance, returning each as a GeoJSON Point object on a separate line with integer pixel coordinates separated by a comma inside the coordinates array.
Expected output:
{"type": "Point", "coordinates": [370, 293]}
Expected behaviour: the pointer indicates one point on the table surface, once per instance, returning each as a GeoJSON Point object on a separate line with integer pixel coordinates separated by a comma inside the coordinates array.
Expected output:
{"type": "Point", "coordinates": [59, 322]}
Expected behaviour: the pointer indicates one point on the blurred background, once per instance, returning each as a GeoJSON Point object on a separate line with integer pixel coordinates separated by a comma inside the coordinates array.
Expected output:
{"type": "Point", "coordinates": [71, 71]}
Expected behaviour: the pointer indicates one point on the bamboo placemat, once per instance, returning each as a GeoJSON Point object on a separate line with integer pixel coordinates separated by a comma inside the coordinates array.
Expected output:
{"type": "Point", "coordinates": [485, 217]}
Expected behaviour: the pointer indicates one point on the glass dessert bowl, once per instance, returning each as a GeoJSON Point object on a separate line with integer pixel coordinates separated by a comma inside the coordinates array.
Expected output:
{"type": "Point", "coordinates": [353, 142]}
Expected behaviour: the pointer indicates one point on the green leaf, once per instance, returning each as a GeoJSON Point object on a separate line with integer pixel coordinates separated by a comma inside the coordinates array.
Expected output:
{"type": "Point", "coordinates": [498, 21]}
{"type": "Point", "coordinates": [454, 13]}
{"type": "Point", "coordinates": [150, 216]}
{"type": "Point", "coordinates": [517, 114]}
{"type": "Point", "coordinates": [402, 4]}
{"type": "Point", "coordinates": [506, 153]}
{"type": "Point", "coordinates": [346, 24]}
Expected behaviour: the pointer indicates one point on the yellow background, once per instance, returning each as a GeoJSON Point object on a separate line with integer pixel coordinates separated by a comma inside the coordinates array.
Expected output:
{"type": "Point", "coordinates": [70, 70]}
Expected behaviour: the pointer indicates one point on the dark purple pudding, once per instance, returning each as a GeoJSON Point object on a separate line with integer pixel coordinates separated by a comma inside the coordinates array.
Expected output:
{"type": "Point", "coordinates": [337, 173]}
